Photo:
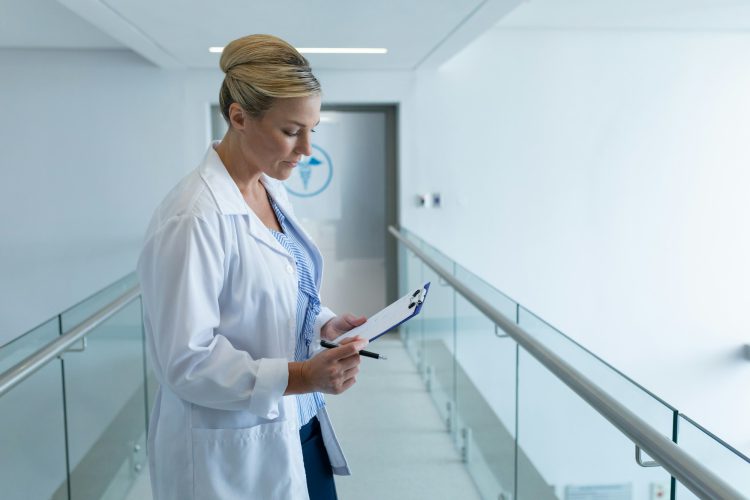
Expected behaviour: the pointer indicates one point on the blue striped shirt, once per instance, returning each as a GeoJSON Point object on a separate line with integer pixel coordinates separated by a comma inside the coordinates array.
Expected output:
{"type": "Point", "coordinates": [308, 306]}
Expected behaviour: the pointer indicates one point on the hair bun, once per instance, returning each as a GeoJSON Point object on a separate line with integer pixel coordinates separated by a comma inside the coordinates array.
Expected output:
{"type": "Point", "coordinates": [264, 67]}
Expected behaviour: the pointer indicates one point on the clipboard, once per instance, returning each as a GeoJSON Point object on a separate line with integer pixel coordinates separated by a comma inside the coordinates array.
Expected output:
{"type": "Point", "coordinates": [391, 317]}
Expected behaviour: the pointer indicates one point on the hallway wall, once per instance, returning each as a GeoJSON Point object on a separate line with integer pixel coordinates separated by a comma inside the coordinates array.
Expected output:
{"type": "Point", "coordinates": [90, 140]}
{"type": "Point", "coordinates": [600, 179]}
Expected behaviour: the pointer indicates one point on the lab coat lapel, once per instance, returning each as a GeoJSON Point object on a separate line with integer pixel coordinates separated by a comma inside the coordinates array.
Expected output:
{"type": "Point", "coordinates": [230, 201]}
{"type": "Point", "coordinates": [260, 232]}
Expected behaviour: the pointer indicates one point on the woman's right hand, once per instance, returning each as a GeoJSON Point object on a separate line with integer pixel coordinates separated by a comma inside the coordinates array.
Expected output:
{"type": "Point", "coordinates": [331, 371]}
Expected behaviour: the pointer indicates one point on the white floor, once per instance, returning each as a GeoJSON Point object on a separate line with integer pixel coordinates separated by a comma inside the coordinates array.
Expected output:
{"type": "Point", "coordinates": [391, 433]}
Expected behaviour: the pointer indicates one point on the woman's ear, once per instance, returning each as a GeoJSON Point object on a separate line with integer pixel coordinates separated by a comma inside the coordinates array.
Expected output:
{"type": "Point", "coordinates": [237, 117]}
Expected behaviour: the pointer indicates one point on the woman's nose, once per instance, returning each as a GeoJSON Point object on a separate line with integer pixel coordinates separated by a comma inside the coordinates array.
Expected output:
{"type": "Point", "coordinates": [304, 145]}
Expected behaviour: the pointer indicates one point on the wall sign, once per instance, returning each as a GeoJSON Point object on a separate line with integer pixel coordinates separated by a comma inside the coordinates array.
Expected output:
{"type": "Point", "coordinates": [312, 175]}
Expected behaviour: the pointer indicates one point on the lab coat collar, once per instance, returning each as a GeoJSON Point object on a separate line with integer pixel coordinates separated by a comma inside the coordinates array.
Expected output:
{"type": "Point", "coordinates": [225, 191]}
{"type": "Point", "coordinates": [223, 188]}
{"type": "Point", "coordinates": [230, 201]}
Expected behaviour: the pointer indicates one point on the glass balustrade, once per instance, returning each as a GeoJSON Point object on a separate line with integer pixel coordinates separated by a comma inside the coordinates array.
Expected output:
{"type": "Point", "coordinates": [32, 423]}
{"type": "Point", "coordinates": [521, 432]}
{"type": "Point", "coordinates": [486, 393]}
{"type": "Point", "coordinates": [106, 404]}
{"type": "Point", "coordinates": [411, 277]}
{"type": "Point", "coordinates": [76, 428]}
{"type": "Point", "coordinates": [565, 440]}
{"type": "Point", "coordinates": [715, 454]}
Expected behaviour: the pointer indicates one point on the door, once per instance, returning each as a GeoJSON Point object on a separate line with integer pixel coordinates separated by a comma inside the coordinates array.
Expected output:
{"type": "Point", "coordinates": [344, 194]}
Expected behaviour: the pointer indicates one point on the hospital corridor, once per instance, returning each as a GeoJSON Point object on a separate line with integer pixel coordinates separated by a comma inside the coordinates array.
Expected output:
{"type": "Point", "coordinates": [319, 250]}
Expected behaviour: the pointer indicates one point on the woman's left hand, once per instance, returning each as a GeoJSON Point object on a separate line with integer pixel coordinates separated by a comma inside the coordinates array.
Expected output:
{"type": "Point", "coordinates": [339, 325]}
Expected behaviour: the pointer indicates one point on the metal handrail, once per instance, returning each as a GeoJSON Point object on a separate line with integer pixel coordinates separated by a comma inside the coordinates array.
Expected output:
{"type": "Point", "coordinates": [29, 365]}
{"type": "Point", "coordinates": [674, 459]}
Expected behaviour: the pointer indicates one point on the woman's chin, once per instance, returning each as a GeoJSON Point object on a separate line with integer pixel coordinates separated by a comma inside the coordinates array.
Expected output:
{"type": "Point", "coordinates": [280, 174]}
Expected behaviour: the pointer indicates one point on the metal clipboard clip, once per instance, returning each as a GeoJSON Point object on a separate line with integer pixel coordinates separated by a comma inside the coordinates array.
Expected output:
{"type": "Point", "coordinates": [417, 298]}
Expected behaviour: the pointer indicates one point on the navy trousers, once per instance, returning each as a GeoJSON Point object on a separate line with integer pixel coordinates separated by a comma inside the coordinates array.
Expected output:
{"type": "Point", "coordinates": [320, 483]}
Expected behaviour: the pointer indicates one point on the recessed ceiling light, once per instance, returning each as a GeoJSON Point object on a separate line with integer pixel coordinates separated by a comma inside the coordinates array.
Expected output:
{"type": "Point", "coordinates": [343, 50]}
{"type": "Point", "coordinates": [323, 50]}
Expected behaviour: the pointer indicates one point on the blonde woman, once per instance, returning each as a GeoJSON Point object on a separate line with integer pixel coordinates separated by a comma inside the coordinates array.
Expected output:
{"type": "Point", "coordinates": [232, 313]}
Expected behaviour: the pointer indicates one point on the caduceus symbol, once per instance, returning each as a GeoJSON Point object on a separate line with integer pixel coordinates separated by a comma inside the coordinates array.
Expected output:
{"type": "Point", "coordinates": [305, 168]}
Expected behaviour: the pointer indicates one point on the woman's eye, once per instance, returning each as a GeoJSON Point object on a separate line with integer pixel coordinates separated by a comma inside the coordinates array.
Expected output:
{"type": "Point", "coordinates": [291, 133]}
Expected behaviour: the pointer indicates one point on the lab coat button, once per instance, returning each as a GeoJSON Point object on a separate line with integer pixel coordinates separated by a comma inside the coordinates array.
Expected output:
{"type": "Point", "coordinates": [289, 269]}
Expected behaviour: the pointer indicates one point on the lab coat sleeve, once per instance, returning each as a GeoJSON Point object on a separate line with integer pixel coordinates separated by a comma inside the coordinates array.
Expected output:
{"type": "Point", "coordinates": [181, 270]}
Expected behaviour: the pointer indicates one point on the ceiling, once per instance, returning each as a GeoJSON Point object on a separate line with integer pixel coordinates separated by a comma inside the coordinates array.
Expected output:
{"type": "Point", "coordinates": [417, 33]}
{"type": "Point", "coordinates": [664, 15]}
{"type": "Point", "coordinates": [178, 33]}
{"type": "Point", "coordinates": [47, 24]}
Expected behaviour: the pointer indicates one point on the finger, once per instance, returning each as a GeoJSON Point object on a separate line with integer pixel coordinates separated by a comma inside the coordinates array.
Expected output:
{"type": "Point", "coordinates": [355, 320]}
{"type": "Point", "coordinates": [345, 350]}
{"type": "Point", "coordinates": [362, 342]}
{"type": "Point", "coordinates": [359, 322]}
{"type": "Point", "coordinates": [351, 372]}
{"type": "Point", "coordinates": [349, 362]}
{"type": "Point", "coordinates": [348, 383]}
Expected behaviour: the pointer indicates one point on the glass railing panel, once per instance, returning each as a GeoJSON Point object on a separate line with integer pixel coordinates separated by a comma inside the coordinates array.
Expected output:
{"type": "Point", "coordinates": [106, 406]}
{"type": "Point", "coordinates": [412, 237]}
{"type": "Point", "coordinates": [647, 406]}
{"type": "Point", "coordinates": [504, 304]}
{"type": "Point", "coordinates": [726, 462]}
{"type": "Point", "coordinates": [413, 276]}
{"type": "Point", "coordinates": [91, 305]}
{"type": "Point", "coordinates": [437, 343]}
{"type": "Point", "coordinates": [28, 343]}
{"type": "Point", "coordinates": [485, 401]}
{"type": "Point", "coordinates": [436, 340]}
{"type": "Point", "coordinates": [565, 448]}
{"type": "Point", "coordinates": [32, 424]}
{"type": "Point", "coordinates": [568, 450]}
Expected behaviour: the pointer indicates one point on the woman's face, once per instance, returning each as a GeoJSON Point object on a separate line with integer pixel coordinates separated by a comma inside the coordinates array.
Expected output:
{"type": "Point", "coordinates": [275, 141]}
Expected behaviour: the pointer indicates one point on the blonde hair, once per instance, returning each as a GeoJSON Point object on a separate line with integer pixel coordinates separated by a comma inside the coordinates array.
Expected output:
{"type": "Point", "coordinates": [261, 68]}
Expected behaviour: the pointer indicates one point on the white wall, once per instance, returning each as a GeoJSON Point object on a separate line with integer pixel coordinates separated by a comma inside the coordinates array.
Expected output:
{"type": "Point", "coordinates": [90, 139]}
{"type": "Point", "coordinates": [600, 178]}
{"type": "Point", "coordinates": [380, 87]}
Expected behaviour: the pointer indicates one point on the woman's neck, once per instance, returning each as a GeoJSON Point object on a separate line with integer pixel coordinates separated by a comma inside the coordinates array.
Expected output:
{"type": "Point", "coordinates": [245, 176]}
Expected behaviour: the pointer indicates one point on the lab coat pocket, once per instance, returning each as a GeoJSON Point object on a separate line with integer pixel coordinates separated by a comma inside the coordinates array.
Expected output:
{"type": "Point", "coordinates": [264, 461]}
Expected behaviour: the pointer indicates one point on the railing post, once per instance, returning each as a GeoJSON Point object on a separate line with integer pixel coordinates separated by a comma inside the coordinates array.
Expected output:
{"type": "Point", "coordinates": [465, 444]}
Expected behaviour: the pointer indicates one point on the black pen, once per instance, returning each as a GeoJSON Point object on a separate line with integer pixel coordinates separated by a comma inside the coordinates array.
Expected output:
{"type": "Point", "coordinates": [367, 354]}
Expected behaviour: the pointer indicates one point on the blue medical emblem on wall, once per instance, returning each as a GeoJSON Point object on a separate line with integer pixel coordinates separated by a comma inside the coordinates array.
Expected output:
{"type": "Point", "coordinates": [312, 175]}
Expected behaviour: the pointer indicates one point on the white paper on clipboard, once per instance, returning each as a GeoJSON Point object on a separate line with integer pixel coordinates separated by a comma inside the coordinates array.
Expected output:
{"type": "Point", "coordinates": [392, 316]}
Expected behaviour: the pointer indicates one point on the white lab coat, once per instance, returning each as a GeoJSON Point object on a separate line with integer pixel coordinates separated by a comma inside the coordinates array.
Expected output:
{"type": "Point", "coordinates": [219, 300]}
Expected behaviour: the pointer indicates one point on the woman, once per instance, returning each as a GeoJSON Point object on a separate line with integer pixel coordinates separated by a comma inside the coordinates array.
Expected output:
{"type": "Point", "coordinates": [231, 308]}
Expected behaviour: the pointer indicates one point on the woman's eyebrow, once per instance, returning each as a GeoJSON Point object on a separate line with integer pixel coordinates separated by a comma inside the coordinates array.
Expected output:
{"type": "Point", "coordinates": [303, 125]}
